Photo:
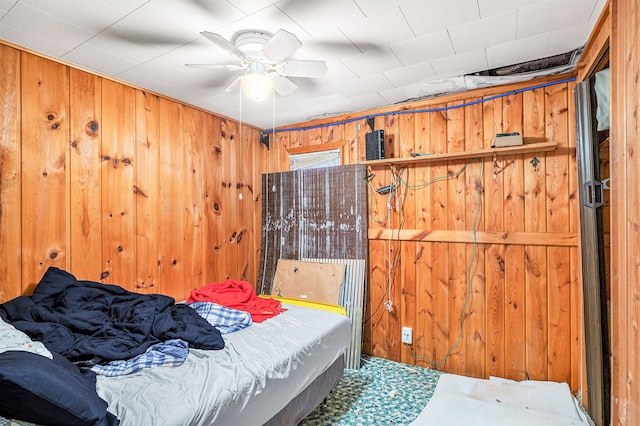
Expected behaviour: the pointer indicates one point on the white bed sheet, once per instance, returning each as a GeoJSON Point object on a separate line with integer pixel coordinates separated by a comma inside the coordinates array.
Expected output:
{"type": "Point", "coordinates": [258, 372]}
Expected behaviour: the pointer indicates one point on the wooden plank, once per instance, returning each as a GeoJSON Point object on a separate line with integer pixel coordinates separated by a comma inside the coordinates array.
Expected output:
{"type": "Point", "coordinates": [394, 265]}
{"type": "Point", "coordinates": [229, 197]}
{"type": "Point", "coordinates": [559, 314]}
{"type": "Point", "coordinates": [536, 312]}
{"type": "Point", "coordinates": [407, 197]}
{"type": "Point", "coordinates": [171, 190]}
{"type": "Point", "coordinates": [598, 43]}
{"type": "Point", "coordinates": [624, 31]}
{"type": "Point", "coordinates": [559, 297]}
{"type": "Point", "coordinates": [513, 170]}
{"type": "Point", "coordinates": [118, 197]}
{"type": "Point", "coordinates": [631, 314]}
{"type": "Point", "coordinates": [423, 335]}
{"type": "Point", "coordinates": [535, 255]}
{"type": "Point", "coordinates": [440, 251]}
{"type": "Point", "coordinates": [475, 312]}
{"type": "Point", "coordinates": [565, 239]}
{"type": "Point", "coordinates": [192, 198]}
{"type": "Point", "coordinates": [313, 281]}
{"type": "Point", "coordinates": [465, 155]}
{"type": "Point", "coordinates": [457, 265]}
{"type": "Point", "coordinates": [356, 131]}
{"type": "Point", "coordinates": [45, 196]}
{"type": "Point", "coordinates": [10, 174]}
{"type": "Point", "coordinates": [332, 134]}
{"type": "Point", "coordinates": [577, 367]}
{"type": "Point", "coordinates": [84, 104]}
{"type": "Point", "coordinates": [494, 253]}
{"type": "Point", "coordinates": [147, 197]}
{"type": "Point", "coordinates": [374, 326]}
{"type": "Point", "coordinates": [244, 237]}
{"type": "Point", "coordinates": [213, 260]}
{"type": "Point", "coordinates": [259, 154]}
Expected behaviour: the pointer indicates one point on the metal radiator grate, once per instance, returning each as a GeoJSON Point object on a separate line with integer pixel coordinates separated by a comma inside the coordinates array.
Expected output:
{"type": "Point", "coordinates": [352, 295]}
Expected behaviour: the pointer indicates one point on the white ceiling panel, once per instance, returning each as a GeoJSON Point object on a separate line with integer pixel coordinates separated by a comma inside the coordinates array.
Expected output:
{"type": "Point", "coordinates": [92, 16]}
{"type": "Point", "coordinates": [377, 7]}
{"type": "Point", "coordinates": [496, 29]}
{"type": "Point", "coordinates": [464, 63]}
{"type": "Point", "coordinates": [404, 76]}
{"type": "Point", "coordinates": [270, 19]}
{"type": "Point", "coordinates": [496, 7]}
{"type": "Point", "coordinates": [424, 48]}
{"type": "Point", "coordinates": [372, 62]}
{"type": "Point", "coordinates": [6, 5]}
{"type": "Point", "coordinates": [378, 31]}
{"type": "Point", "coordinates": [372, 83]}
{"type": "Point", "coordinates": [96, 59]}
{"type": "Point", "coordinates": [305, 14]}
{"type": "Point", "coordinates": [426, 17]}
{"type": "Point", "coordinates": [517, 51]}
{"type": "Point", "coordinates": [377, 51]}
{"type": "Point", "coordinates": [553, 15]}
{"type": "Point", "coordinates": [562, 41]}
{"type": "Point", "coordinates": [52, 31]}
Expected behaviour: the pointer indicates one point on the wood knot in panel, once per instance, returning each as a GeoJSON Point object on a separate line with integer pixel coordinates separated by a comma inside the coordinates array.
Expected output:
{"type": "Point", "coordinates": [91, 128]}
{"type": "Point", "coordinates": [240, 235]}
{"type": "Point", "coordinates": [139, 191]}
{"type": "Point", "coordinates": [104, 275]}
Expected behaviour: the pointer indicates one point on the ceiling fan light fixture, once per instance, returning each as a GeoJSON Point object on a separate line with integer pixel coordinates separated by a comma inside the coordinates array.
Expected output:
{"type": "Point", "coordinates": [256, 84]}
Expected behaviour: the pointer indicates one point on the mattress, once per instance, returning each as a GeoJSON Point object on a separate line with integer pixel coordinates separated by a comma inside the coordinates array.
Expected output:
{"type": "Point", "coordinates": [260, 370]}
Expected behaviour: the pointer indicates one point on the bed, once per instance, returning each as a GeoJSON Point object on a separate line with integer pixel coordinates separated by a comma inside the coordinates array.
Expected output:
{"type": "Point", "coordinates": [273, 372]}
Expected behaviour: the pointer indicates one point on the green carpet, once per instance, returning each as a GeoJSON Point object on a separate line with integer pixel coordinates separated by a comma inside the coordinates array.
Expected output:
{"type": "Point", "coordinates": [381, 392]}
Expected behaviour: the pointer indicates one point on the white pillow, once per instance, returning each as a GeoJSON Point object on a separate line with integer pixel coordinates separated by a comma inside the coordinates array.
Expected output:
{"type": "Point", "coordinates": [12, 339]}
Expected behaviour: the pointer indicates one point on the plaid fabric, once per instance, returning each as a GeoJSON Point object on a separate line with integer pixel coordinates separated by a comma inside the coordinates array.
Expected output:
{"type": "Point", "coordinates": [167, 354]}
{"type": "Point", "coordinates": [225, 319]}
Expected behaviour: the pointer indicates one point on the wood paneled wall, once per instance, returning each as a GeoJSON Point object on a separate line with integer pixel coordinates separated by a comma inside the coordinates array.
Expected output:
{"type": "Point", "coordinates": [517, 289]}
{"type": "Point", "coordinates": [123, 186]}
{"type": "Point", "coordinates": [119, 185]}
{"type": "Point", "coordinates": [625, 211]}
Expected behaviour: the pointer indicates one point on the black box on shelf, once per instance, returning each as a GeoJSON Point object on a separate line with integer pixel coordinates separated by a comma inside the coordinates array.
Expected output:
{"type": "Point", "coordinates": [375, 145]}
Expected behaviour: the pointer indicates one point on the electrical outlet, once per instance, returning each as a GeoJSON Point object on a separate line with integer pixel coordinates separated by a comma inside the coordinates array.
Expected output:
{"type": "Point", "coordinates": [407, 334]}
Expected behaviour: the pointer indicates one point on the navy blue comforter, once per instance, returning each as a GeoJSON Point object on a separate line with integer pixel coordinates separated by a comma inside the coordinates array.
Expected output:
{"type": "Point", "coordinates": [91, 322]}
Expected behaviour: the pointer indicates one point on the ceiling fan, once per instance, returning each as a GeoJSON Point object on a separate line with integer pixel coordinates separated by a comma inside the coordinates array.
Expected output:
{"type": "Point", "coordinates": [263, 58]}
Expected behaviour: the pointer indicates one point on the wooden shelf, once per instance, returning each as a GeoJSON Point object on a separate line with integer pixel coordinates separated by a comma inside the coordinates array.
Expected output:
{"type": "Point", "coordinates": [509, 150]}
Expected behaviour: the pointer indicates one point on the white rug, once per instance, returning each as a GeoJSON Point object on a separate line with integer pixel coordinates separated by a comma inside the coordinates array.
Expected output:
{"type": "Point", "coordinates": [460, 400]}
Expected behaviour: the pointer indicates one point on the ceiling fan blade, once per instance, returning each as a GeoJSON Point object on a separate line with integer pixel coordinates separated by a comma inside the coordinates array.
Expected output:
{"type": "Point", "coordinates": [223, 43]}
{"type": "Point", "coordinates": [310, 69]}
{"type": "Point", "coordinates": [229, 67]}
{"type": "Point", "coordinates": [280, 46]}
{"type": "Point", "coordinates": [283, 86]}
{"type": "Point", "coordinates": [235, 85]}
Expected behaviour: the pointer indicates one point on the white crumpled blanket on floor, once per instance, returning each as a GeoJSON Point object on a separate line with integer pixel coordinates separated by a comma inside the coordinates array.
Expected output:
{"type": "Point", "coordinates": [460, 400]}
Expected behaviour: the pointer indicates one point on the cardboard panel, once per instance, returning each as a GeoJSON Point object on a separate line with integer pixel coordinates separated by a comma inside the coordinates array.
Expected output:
{"type": "Point", "coordinates": [317, 282]}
